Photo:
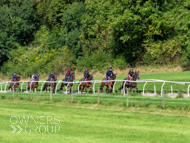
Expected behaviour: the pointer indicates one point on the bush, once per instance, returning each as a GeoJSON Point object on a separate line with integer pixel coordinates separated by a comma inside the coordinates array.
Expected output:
{"type": "Point", "coordinates": [100, 62]}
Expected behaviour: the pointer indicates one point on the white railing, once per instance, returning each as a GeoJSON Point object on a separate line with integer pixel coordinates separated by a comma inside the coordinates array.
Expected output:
{"type": "Point", "coordinates": [94, 82]}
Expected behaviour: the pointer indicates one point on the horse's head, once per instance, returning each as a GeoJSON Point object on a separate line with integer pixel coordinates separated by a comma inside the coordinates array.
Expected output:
{"type": "Point", "coordinates": [18, 78]}
{"type": "Point", "coordinates": [91, 77]}
{"type": "Point", "coordinates": [55, 77]}
{"type": "Point", "coordinates": [73, 76]}
{"type": "Point", "coordinates": [136, 75]}
{"type": "Point", "coordinates": [38, 77]}
{"type": "Point", "coordinates": [114, 76]}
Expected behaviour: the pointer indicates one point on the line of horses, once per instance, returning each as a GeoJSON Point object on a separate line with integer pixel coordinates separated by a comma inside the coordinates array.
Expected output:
{"type": "Point", "coordinates": [82, 86]}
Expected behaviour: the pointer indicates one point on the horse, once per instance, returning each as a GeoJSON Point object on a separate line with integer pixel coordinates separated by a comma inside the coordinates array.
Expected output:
{"type": "Point", "coordinates": [108, 84]}
{"type": "Point", "coordinates": [68, 84]}
{"type": "Point", "coordinates": [52, 85]}
{"type": "Point", "coordinates": [34, 84]}
{"type": "Point", "coordinates": [86, 84]}
{"type": "Point", "coordinates": [131, 84]}
{"type": "Point", "coordinates": [16, 85]}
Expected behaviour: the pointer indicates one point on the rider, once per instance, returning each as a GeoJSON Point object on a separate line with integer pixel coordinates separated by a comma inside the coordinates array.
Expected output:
{"type": "Point", "coordinates": [130, 74]}
{"type": "Point", "coordinates": [14, 77]}
{"type": "Point", "coordinates": [108, 73]}
{"type": "Point", "coordinates": [67, 75]}
{"type": "Point", "coordinates": [51, 75]}
{"type": "Point", "coordinates": [34, 76]}
{"type": "Point", "coordinates": [86, 73]}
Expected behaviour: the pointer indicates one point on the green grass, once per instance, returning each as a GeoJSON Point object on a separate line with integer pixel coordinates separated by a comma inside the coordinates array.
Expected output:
{"type": "Point", "coordinates": [169, 76]}
{"type": "Point", "coordinates": [80, 124]}
{"type": "Point", "coordinates": [106, 99]}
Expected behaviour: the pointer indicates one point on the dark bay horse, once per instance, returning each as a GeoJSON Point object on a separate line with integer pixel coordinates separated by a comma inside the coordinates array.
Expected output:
{"type": "Point", "coordinates": [52, 85]}
{"type": "Point", "coordinates": [86, 84]}
{"type": "Point", "coordinates": [131, 84]}
{"type": "Point", "coordinates": [16, 85]}
{"type": "Point", "coordinates": [34, 84]}
{"type": "Point", "coordinates": [108, 84]}
{"type": "Point", "coordinates": [68, 84]}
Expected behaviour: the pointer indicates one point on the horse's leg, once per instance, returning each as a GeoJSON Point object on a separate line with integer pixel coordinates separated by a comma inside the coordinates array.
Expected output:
{"type": "Point", "coordinates": [44, 87]}
{"type": "Point", "coordinates": [130, 88]}
{"type": "Point", "coordinates": [107, 89]}
{"type": "Point", "coordinates": [90, 89]}
{"type": "Point", "coordinates": [70, 89]}
{"type": "Point", "coordinates": [86, 89]}
{"type": "Point", "coordinates": [82, 88]}
{"type": "Point", "coordinates": [120, 87]}
{"type": "Point", "coordinates": [61, 88]}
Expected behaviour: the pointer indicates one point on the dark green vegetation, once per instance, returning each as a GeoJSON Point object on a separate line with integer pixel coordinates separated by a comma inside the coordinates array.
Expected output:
{"type": "Point", "coordinates": [91, 124]}
{"type": "Point", "coordinates": [38, 35]}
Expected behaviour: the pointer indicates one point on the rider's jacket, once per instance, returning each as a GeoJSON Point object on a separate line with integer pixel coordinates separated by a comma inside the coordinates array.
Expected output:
{"type": "Point", "coordinates": [34, 76]}
{"type": "Point", "coordinates": [14, 77]}
{"type": "Point", "coordinates": [108, 73]}
{"type": "Point", "coordinates": [50, 76]}
{"type": "Point", "coordinates": [131, 74]}
{"type": "Point", "coordinates": [86, 73]}
{"type": "Point", "coordinates": [67, 75]}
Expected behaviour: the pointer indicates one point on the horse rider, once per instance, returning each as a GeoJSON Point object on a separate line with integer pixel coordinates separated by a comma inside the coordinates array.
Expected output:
{"type": "Point", "coordinates": [67, 75]}
{"type": "Point", "coordinates": [51, 75]}
{"type": "Point", "coordinates": [130, 74]}
{"type": "Point", "coordinates": [34, 76]}
{"type": "Point", "coordinates": [109, 73]}
{"type": "Point", "coordinates": [14, 77]}
{"type": "Point", "coordinates": [86, 73]}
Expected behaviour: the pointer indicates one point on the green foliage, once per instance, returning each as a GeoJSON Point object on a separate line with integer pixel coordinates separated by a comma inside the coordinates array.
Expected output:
{"type": "Point", "coordinates": [93, 33]}
{"type": "Point", "coordinates": [25, 63]}
{"type": "Point", "coordinates": [100, 62]}
{"type": "Point", "coordinates": [18, 21]}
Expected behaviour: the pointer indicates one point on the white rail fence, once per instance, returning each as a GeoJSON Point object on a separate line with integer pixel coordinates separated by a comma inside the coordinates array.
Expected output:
{"type": "Point", "coordinates": [94, 82]}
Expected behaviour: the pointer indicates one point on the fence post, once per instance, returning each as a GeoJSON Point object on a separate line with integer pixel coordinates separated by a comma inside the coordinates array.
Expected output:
{"type": "Point", "coordinates": [98, 95]}
{"type": "Point", "coordinates": [50, 93]}
{"type": "Point", "coordinates": [127, 96]}
{"type": "Point", "coordinates": [79, 87]}
{"type": "Point", "coordinates": [13, 91]}
{"type": "Point", "coordinates": [154, 89]}
{"type": "Point", "coordinates": [56, 87]}
{"type": "Point", "coordinates": [124, 87]}
{"type": "Point", "coordinates": [171, 88]}
{"type": "Point", "coordinates": [144, 87]}
{"type": "Point", "coordinates": [31, 90]}
{"type": "Point", "coordinates": [163, 104]}
{"type": "Point", "coordinates": [42, 86]}
{"type": "Point", "coordinates": [72, 94]}
{"type": "Point", "coordinates": [6, 86]}
{"type": "Point", "coordinates": [114, 86]}
{"type": "Point", "coordinates": [94, 87]}
{"type": "Point", "coordinates": [188, 91]}
{"type": "Point", "coordinates": [22, 85]}
{"type": "Point", "coordinates": [162, 89]}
